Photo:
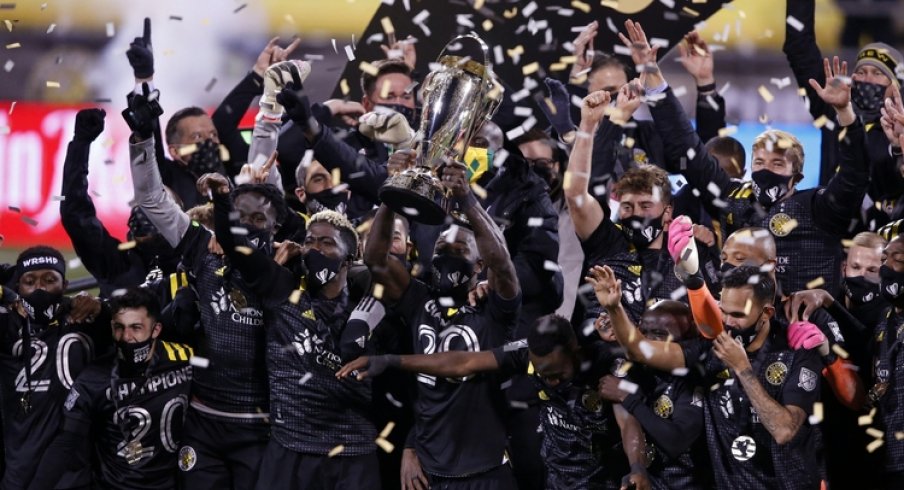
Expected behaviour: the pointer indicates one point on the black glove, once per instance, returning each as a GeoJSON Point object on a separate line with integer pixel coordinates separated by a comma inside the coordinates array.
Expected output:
{"type": "Point", "coordinates": [89, 123]}
{"type": "Point", "coordinates": [143, 111]}
{"type": "Point", "coordinates": [558, 96]}
{"type": "Point", "coordinates": [140, 55]}
{"type": "Point", "coordinates": [298, 108]}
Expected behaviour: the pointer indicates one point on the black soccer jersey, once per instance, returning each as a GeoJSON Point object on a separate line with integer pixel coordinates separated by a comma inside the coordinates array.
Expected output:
{"type": "Point", "coordinates": [35, 376]}
{"type": "Point", "coordinates": [742, 451]}
{"type": "Point", "coordinates": [647, 275]}
{"type": "Point", "coordinates": [581, 440]}
{"type": "Point", "coordinates": [459, 426]}
{"type": "Point", "coordinates": [136, 421]}
{"type": "Point", "coordinates": [233, 387]}
{"type": "Point", "coordinates": [889, 375]}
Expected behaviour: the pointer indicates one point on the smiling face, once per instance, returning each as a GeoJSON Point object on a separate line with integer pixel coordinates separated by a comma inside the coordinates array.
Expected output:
{"type": "Point", "coordinates": [134, 325]}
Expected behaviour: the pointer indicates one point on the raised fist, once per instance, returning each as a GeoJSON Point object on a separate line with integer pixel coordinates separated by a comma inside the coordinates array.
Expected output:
{"type": "Point", "coordinates": [277, 77]}
{"type": "Point", "coordinates": [89, 123]}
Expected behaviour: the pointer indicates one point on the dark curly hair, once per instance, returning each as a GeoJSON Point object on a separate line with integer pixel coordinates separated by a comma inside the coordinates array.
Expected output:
{"type": "Point", "coordinates": [135, 298]}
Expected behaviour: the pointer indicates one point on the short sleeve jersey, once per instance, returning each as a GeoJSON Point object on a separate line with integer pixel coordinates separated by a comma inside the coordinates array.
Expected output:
{"type": "Point", "coordinates": [146, 412]}
{"type": "Point", "coordinates": [459, 425]}
{"type": "Point", "coordinates": [742, 451]}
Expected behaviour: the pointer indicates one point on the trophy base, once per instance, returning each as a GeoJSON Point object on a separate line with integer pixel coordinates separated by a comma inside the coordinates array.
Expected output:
{"type": "Point", "coordinates": [415, 194]}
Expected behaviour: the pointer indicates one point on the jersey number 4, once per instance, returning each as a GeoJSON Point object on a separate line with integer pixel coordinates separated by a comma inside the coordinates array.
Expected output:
{"type": "Point", "coordinates": [31, 380]}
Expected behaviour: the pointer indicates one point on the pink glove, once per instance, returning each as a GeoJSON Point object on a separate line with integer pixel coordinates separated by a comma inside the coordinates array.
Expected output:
{"type": "Point", "coordinates": [681, 245]}
{"type": "Point", "coordinates": [805, 335]}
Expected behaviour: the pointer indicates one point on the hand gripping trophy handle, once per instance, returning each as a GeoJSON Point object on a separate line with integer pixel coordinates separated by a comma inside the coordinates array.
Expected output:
{"type": "Point", "coordinates": [458, 97]}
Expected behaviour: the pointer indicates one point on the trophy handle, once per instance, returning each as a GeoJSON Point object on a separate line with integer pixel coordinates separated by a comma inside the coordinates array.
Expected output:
{"type": "Point", "coordinates": [483, 47]}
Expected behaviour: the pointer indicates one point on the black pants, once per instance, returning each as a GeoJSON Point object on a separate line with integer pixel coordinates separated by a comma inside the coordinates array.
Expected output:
{"type": "Point", "coordinates": [284, 469]}
{"type": "Point", "coordinates": [222, 455]}
{"type": "Point", "coordinates": [524, 447]}
{"type": "Point", "coordinates": [499, 478]}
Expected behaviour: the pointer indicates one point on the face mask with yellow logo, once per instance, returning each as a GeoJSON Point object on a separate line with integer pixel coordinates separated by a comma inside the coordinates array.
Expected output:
{"type": "Point", "coordinates": [478, 161]}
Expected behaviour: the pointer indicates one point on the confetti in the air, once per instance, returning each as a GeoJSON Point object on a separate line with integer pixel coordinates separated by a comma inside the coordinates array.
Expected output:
{"type": "Point", "coordinates": [336, 450]}
{"type": "Point", "coordinates": [199, 362]}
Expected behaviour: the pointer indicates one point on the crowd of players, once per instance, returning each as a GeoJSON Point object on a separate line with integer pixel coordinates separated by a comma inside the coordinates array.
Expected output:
{"type": "Point", "coordinates": [575, 324]}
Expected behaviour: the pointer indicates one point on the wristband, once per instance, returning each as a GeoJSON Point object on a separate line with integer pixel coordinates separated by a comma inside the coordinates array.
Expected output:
{"type": "Point", "coordinates": [706, 88]}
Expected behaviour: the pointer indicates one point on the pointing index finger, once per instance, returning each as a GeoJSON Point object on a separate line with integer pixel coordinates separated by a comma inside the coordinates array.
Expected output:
{"type": "Point", "coordinates": [270, 161]}
{"type": "Point", "coordinates": [147, 30]}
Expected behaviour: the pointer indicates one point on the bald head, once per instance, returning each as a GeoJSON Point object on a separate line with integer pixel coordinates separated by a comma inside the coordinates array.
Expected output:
{"type": "Point", "coordinates": [749, 246]}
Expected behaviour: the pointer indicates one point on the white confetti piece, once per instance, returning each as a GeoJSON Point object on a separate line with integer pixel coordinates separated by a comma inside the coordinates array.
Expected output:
{"type": "Point", "coordinates": [349, 53]}
{"type": "Point", "coordinates": [394, 402]}
{"type": "Point", "coordinates": [793, 22]}
{"type": "Point", "coordinates": [529, 9]}
{"type": "Point", "coordinates": [816, 418]}
{"type": "Point", "coordinates": [668, 3]}
{"type": "Point", "coordinates": [8, 66]}
{"type": "Point", "coordinates": [679, 371]}
{"type": "Point", "coordinates": [199, 362]}
{"type": "Point", "coordinates": [535, 221]}
{"type": "Point", "coordinates": [625, 385]}
{"type": "Point", "coordinates": [514, 133]}
{"type": "Point", "coordinates": [74, 263]}
{"type": "Point", "coordinates": [111, 29]}
{"type": "Point", "coordinates": [304, 379]}
{"type": "Point", "coordinates": [645, 348]}
{"type": "Point", "coordinates": [551, 266]}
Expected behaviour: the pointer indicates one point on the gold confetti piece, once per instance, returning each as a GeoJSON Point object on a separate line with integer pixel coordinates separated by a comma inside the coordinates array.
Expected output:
{"type": "Point", "coordinates": [368, 68]}
{"type": "Point", "coordinates": [487, 24]}
{"type": "Point", "coordinates": [478, 4]}
{"type": "Point", "coordinates": [748, 306]}
{"type": "Point", "coordinates": [295, 297]}
{"type": "Point", "coordinates": [126, 245]}
{"type": "Point", "coordinates": [842, 134]}
{"type": "Point", "coordinates": [244, 250]}
{"type": "Point", "coordinates": [385, 445]}
{"type": "Point", "coordinates": [52, 84]}
{"type": "Point", "coordinates": [899, 436]}
{"type": "Point", "coordinates": [629, 142]}
{"type": "Point", "coordinates": [378, 292]}
{"type": "Point", "coordinates": [9, 25]}
{"type": "Point", "coordinates": [558, 67]}
{"type": "Point", "coordinates": [336, 450]}
{"type": "Point", "coordinates": [387, 26]}
{"type": "Point", "coordinates": [581, 6]}
{"type": "Point", "coordinates": [480, 191]}
{"type": "Point", "coordinates": [815, 283]}
{"type": "Point", "coordinates": [865, 420]}
{"type": "Point", "coordinates": [817, 414]}
{"type": "Point", "coordinates": [384, 89]}
{"type": "Point", "coordinates": [530, 68]}
{"type": "Point", "coordinates": [728, 131]}
{"type": "Point", "coordinates": [874, 445]}
{"type": "Point", "coordinates": [343, 86]}
{"type": "Point", "coordinates": [13, 45]}
{"type": "Point", "coordinates": [336, 175]}
{"type": "Point", "coordinates": [508, 14]}
{"type": "Point", "coordinates": [387, 430]}
{"type": "Point", "coordinates": [289, 19]}
{"type": "Point", "coordinates": [765, 94]}
{"type": "Point", "coordinates": [698, 1]}
{"type": "Point", "coordinates": [876, 433]}
{"type": "Point", "coordinates": [840, 352]}
{"type": "Point", "coordinates": [690, 11]}
{"type": "Point", "coordinates": [187, 150]}
{"type": "Point", "coordinates": [550, 105]}
{"type": "Point", "coordinates": [516, 51]}
{"type": "Point", "coordinates": [820, 121]}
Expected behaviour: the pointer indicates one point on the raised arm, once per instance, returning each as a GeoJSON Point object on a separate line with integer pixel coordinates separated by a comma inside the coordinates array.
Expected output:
{"type": "Point", "coordinates": [92, 242]}
{"type": "Point", "coordinates": [502, 276]}
{"type": "Point", "coordinates": [697, 59]}
{"type": "Point", "coordinates": [585, 210]}
{"type": "Point", "coordinates": [150, 195]}
{"type": "Point", "coordinates": [451, 364]}
{"type": "Point", "coordinates": [390, 274]}
{"type": "Point", "coordinates": [665, 356]}
{"type": "Point", "coordinates": [849, 184]}
{"type": "Point", "coordinates": [803, 53]}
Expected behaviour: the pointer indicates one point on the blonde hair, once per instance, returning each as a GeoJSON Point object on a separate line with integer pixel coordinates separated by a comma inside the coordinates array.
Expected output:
{"type": "Point", "coordinates": [340, 222]}
{"type": "Point", "coordinates": [868, 239]}
{"type": "Point", "coordinates": [785, 144]}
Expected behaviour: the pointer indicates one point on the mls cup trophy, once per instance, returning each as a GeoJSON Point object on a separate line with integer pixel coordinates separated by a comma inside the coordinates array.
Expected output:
{"type": "Point", "coordinates": [457, 97]}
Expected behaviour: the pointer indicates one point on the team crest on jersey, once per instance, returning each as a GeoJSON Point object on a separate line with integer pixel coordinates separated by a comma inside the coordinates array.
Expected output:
{"type": "Point", "coordinates": [776, 373]}
{"type": "Point", "coordinates": [591, 401]}
{"type": "Point", "coordinates": [664, 406]}
{"type": "Point", "coordinates": [807, 379]}
{"type": "Point", "coordinates": [187, 458]}
{"type": "Point", "coordinates": [726, 406]}
{"type": "Point", "coordinates": [781, 224]}
{"type": "Point", "coordinates": [635, 269]}
{"type": "Point", "coordinates": [620, 367]}
{"type": "Point", "coordinates": [743, 448]}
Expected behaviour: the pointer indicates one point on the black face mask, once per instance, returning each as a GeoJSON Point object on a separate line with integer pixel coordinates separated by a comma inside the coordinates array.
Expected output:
{"type": "Point", "coordinates": [868, 99]}
{"type": "Point", "coordinates": [327, 199]}
{"type": "Point", "coordinates": [745, 335]}
{"type": "Point", "coordinates": [859, 290]}
{"type": "Point", "coordinates": [451, 277]}
{"type": "Point", "coordinates": [206, 159]}
{"type": "Point", "coordinates": [42, 306]}
{"type": "Point", "coordinates": [133, 356]}
{"type": "Point", "coordinates": [409, 113]}
{"type": "Point", "coordinates": [891, 285]}
{"type": "Point", "coordinates": [641, 232]}
{"type": "Point", "coordinates": [726, 268]}
{"type": "Point", "coordinates": [260, 239]}
{"type": "Point", "coordinates": [321, 269]}
{"type": "Point", "coordinates": [769, 187]}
